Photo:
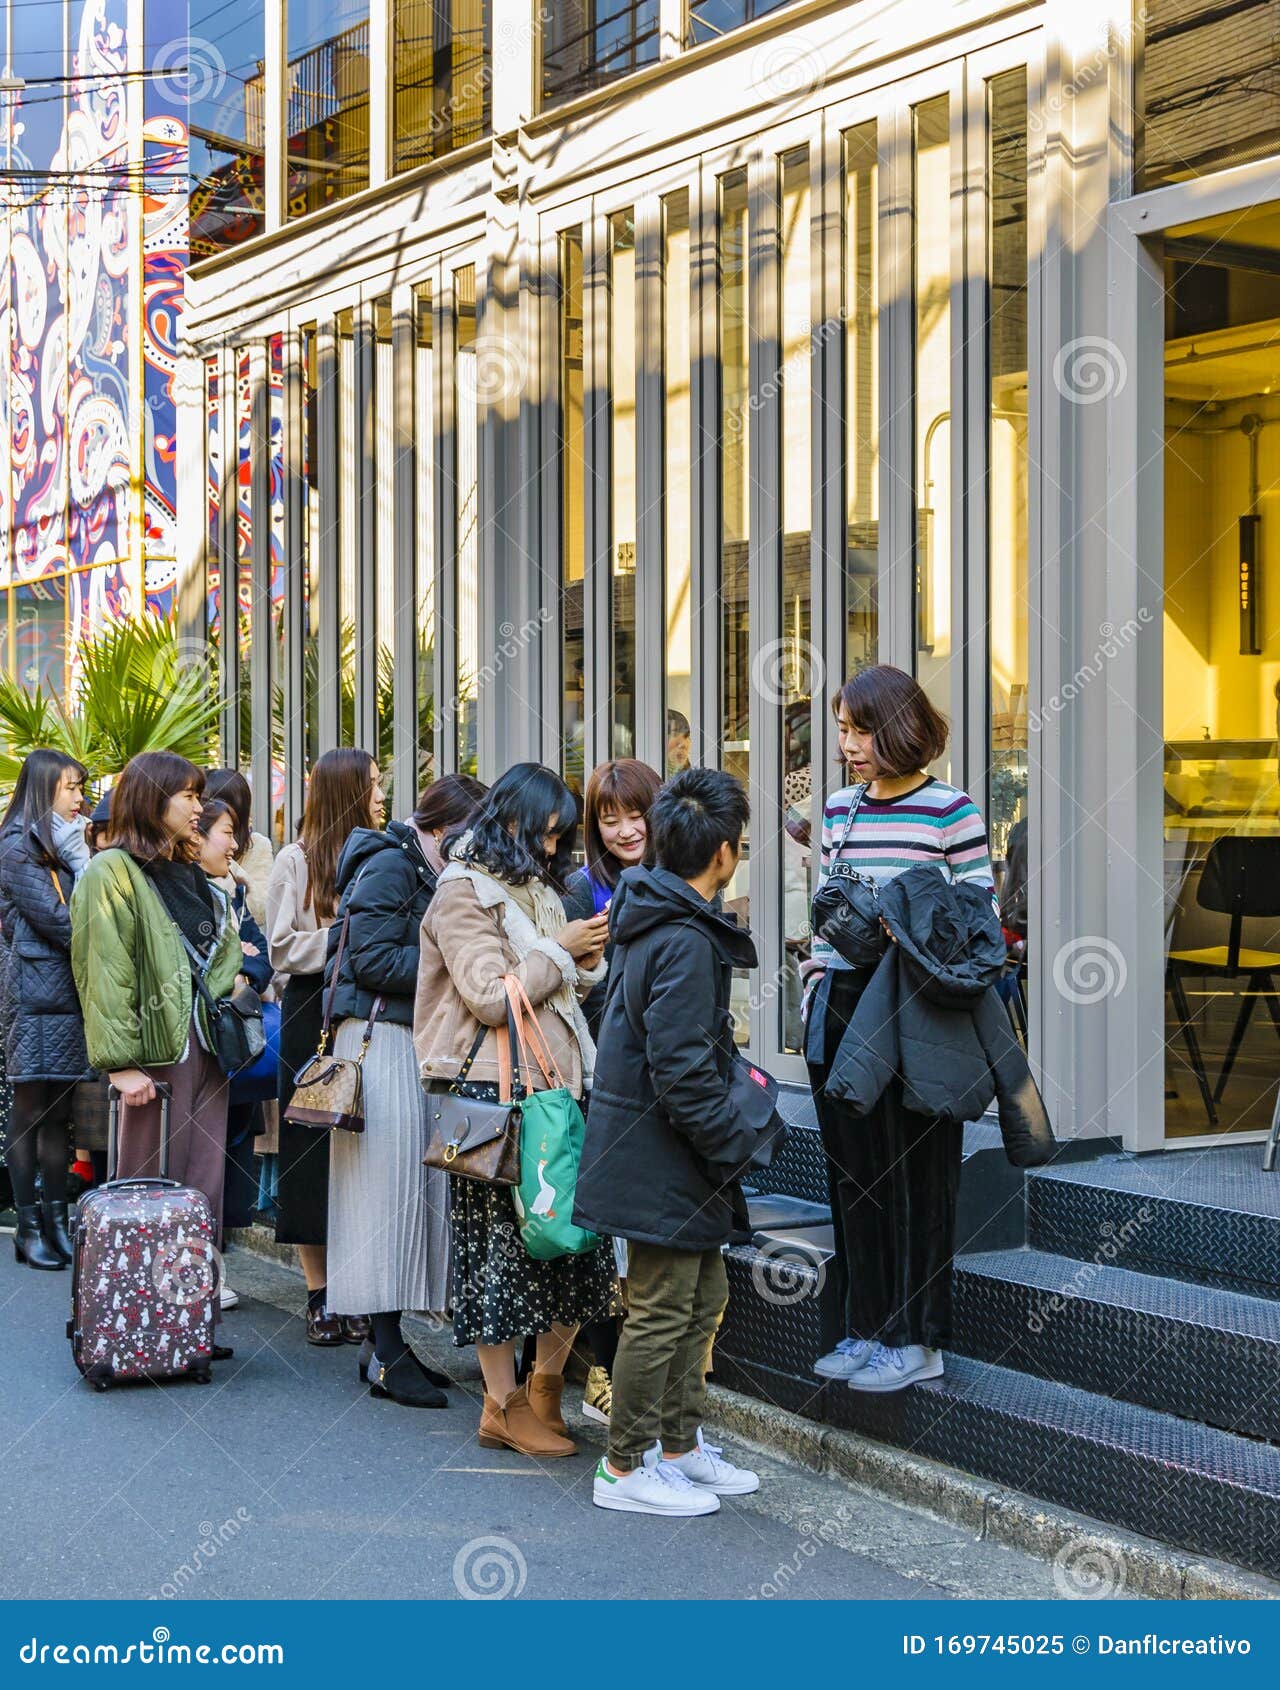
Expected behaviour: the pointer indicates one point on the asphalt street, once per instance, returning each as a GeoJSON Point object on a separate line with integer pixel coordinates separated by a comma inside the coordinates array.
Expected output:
{"type": "Point", "coordinates": [284, 1478]}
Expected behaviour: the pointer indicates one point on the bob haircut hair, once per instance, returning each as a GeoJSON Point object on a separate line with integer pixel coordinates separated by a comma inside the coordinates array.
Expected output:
{"type": "Point", "coordinates": [618, 788]}
{"type": "Point", "coordinates": [339, 799]}
{"type": "Point", "coordinates": [447, 802]}
{"type": "Point", "coordinates": [511, 822]}
{"type": "Point", "coordinates": [139, 800]}
{"type": "Point", "coordinates": [31, 806]}
{"type": "Point", "coordinates": [213, 808]}
{"type": "Point", "coordinates": [230, 787]}
{"type": "Point", "coordinates": [907, 733]}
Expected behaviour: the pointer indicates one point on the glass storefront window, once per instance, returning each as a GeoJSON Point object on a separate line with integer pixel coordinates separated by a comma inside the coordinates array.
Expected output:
{"type": "Point", "coordinates": [589, 42]}
{"type": "Point", "coordinates": [466, 492]}
{"type": "Point", "coordinates": [572, 457]}
{"type": "Point", "coordinates": [227, 120]}
{"type": "Point", "coordinates": [794, 668]}
{"type": "Point", "coordinates": [677, 462]}
{"type": "Point", "coordinates": [862, 400]}
{"type": "Point", "coordinates": [349, 438]}
{"type": "Point", "coordinates": [1207, 93]}
{"type": "Point", "coordinates": [383, 561]}
{"type": "Point", "coordinates": [622, 504]}
{"type": "Point", "coordinates": [327, 102]}
{"type": "Point", "coordinates": [931, 275]}
{"type": "Point", "coordinates": [309, 353]}
{"type": "Point", "coordinates": [735, 510]}
{"type": "Point", "coordinates": [1221, 659]}
{"type": "Point", "coordinates": [424, 415]}
{"type": "Point", "coordinates": [1007, 559]}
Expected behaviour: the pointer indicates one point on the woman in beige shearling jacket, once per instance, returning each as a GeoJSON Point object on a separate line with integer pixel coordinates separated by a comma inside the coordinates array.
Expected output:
{"type": "Point", "coordinates": [497, 911]}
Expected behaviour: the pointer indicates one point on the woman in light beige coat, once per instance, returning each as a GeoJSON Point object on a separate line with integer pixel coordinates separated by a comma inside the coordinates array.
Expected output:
{"type": "Point", "coordinates": [497, 911]}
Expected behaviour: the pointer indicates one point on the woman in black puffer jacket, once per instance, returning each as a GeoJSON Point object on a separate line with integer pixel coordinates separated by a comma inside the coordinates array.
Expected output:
{"type": "Point", "coordinates": [43, 1027]}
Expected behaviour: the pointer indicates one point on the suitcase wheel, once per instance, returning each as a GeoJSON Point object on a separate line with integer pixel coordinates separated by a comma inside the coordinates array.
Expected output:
{"type": "Point", "coordinates": [203, 1376]}
{"type": "Point", "coordinates": [101, 1384]}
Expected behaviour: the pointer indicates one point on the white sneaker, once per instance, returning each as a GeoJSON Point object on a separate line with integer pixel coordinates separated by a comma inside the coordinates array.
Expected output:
{"type": "Point", "coordinates": [849, 1357]}
{"type": "Point", "coordinates": [227, 1298]}
{"type": "Point", "coordinates": [891, 1370]}
{"type": "Point", "coordinates": [705, 1468]}
{"type": "Point", "coordinates": [659, 1487]}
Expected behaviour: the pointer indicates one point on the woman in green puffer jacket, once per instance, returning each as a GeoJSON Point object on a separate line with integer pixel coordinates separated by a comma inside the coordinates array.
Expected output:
{"type": "Point", "coordinates": [131, 910]}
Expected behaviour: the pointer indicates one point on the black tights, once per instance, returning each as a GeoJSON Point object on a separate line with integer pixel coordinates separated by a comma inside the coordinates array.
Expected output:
{"type": "Point", "coordinates": [39, 1137]}
{"type": "Point", "coordinates": [388, 1340]}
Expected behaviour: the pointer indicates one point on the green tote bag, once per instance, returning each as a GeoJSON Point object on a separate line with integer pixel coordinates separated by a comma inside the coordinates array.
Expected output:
{"type": "Point", "coordinates": [551, 1134]}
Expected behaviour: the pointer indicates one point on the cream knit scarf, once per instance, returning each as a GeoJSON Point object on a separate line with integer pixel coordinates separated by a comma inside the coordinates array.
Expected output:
{"type": "Point", "coordinates": [532, 928]}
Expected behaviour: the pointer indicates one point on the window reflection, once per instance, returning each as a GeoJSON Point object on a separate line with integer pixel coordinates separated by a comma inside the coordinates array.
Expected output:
{"type": "Point", "coordinates": [572, 469]}
{"type": "Point", "coordinates": [443, 77]}
{"type": "Point", "coordinates": [622, 457]}
{"type": "Point", "coordinates": [424, 434]}
{"type": "Point", "coordinates": [310, 537]}
{"type": "Point", "coordinates": [466, 437]}
{"type": "Point", "coordinates": [589, 42]}
{"type": "Point", "coordinates": [678, 644]}
{"type": "Point", "coordinates": [348, 521]}
{"type": "Point", "coordinates": [735, 421]}
{"type": "Point", "coordinates": [795, 666]}
{"type": "Point", "coordinates": [327, 101]}
{"type": "Point", "coordinates": [383, 560]}
{"type": "Point", "coordinates": [932, 280]}
{"type": "Point", "coordinates": [1007, 465]}
{"type": "Point", "coordinates": [862, 399]}
{"type": "Point", "coordinates": [227, 127]}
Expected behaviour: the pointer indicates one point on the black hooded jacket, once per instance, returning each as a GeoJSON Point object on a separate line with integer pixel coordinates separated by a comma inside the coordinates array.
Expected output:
{"type": "Point", "coordinates": [42, 1024]}
{"type": "Point", "coordinates": [384, 884]}
{"type": "Point", "coordinates": [664, 1145]}
{"type": "Point", "coordinates": [930, 1015]}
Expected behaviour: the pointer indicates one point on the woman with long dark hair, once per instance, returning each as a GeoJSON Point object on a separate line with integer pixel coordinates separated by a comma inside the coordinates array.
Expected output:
{"type": "Point", "coordinates": [894, 1174]}
{"type": "Point", "coordinates": [44, 1046]}
{"type": "Point", "coordinates": [343, 794]}
{"type": "Point", "coordinates": [254, 857]}
{"type": "Point", "coordinates": [388, 1212]}
{"type": "Point", "coordinates": [144, 919]}
{"type": "Point", "coordinates": [498, 911]}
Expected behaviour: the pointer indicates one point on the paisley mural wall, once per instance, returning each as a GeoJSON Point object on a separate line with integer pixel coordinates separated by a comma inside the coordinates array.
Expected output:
{"type": "Point", "coordinates": [94, 248]}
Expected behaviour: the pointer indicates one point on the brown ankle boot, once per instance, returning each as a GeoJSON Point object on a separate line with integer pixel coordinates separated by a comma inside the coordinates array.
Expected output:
{"type": "Point", "coordinates": [544, 1392]}
{"type": "Point", "coordinates": [514, 1425]}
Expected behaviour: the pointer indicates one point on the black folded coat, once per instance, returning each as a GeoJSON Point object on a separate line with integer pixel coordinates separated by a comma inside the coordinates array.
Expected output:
{"type": "Point", "coordinates": [930, 1016]}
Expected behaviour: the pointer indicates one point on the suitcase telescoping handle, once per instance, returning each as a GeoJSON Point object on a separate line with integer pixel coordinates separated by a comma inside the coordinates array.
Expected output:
{"type": "Point", "coordinates": [165, 1093]}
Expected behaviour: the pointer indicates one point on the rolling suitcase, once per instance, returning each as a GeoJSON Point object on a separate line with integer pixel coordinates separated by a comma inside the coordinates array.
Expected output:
{"type": "Point", "coordinates": [144, 1273]}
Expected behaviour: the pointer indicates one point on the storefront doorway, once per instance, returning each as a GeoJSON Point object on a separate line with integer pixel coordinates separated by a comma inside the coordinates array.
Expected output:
{"type": "Point", "coordinates": [1221, 672]}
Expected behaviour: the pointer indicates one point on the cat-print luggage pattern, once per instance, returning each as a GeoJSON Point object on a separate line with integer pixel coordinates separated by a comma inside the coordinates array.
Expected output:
{"type": "Point", "coordinates": [144, 1275]}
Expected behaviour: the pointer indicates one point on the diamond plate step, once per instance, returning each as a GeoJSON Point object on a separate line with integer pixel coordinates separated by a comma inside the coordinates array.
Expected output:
{"type": "Point", "coordinates": [1203, 1353]}
{"type": "Point", "coordinates": [1212, 1217]}
{"type": "Point", "coordinates": [1190, 1485]}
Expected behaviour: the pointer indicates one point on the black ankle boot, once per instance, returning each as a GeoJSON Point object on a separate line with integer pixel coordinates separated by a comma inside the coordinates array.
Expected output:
{"type": "Point", "coordinates": [439, 1380]}
{"type": "Point", "coordinates": [56, 1236]}
{"type": "Point", "coordinates": [28, 1241]}
{"type": "Point", "coordinates": [404, 1382]}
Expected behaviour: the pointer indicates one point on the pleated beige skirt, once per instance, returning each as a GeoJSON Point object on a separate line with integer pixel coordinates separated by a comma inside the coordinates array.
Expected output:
{"type": "Point", "coordinates": [388, 1214]}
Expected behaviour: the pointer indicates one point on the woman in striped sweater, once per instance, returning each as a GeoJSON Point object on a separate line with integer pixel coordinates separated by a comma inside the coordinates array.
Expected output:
{"type": "Point", "coordinates": [894, 1175]}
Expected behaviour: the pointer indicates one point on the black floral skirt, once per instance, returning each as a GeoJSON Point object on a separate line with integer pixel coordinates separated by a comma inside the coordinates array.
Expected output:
{"type": "Point", "coordinates": [499, 1292]}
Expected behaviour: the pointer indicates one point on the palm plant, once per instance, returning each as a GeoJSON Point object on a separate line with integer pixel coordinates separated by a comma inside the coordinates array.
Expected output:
{"type": "Point", "coordinates": [140, 689]}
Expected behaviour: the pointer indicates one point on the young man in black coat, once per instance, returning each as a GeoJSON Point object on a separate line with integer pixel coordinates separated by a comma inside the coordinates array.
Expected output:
{"type": "Point", "coordinates": [665, 1144]}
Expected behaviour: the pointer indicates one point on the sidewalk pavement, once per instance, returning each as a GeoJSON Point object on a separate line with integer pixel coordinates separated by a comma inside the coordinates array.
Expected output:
{"type": "Point", "coordinates": [284, 1478]}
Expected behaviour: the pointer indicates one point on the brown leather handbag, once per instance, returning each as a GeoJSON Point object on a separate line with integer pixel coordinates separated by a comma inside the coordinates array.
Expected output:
{"type": "Point", "coordinates": [329, 1090]}
{"type": "Point", "coordinates": [473, 1138]}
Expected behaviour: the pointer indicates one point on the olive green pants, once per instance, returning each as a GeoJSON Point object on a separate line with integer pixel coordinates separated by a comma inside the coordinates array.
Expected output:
{"type": "Point", "coordinates": [675, 1301]}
